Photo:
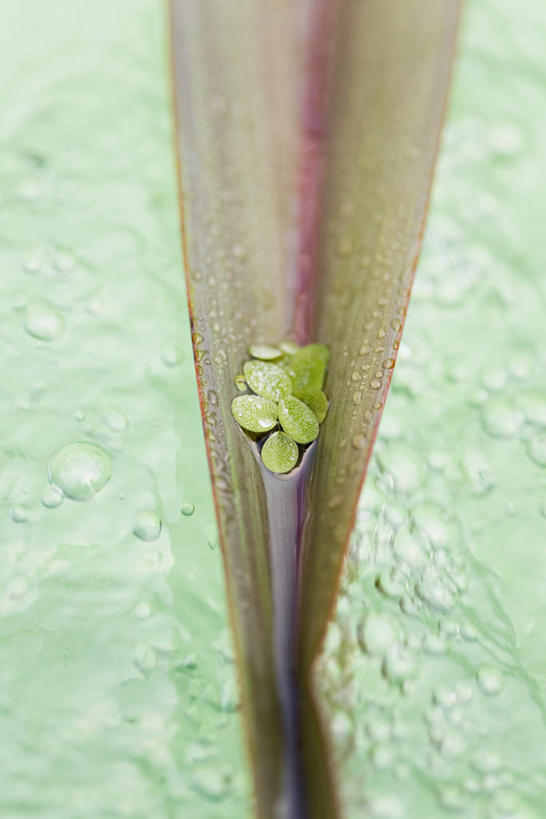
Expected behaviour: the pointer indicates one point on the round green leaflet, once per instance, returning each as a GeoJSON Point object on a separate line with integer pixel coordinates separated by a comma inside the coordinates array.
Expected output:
{"type": "Point", "coordinates": [280, 453]}
{"type": "Point", "coordinates": [316, 401]}
{"type": "Point", "coordinates": [307, 368]}
{"type": "Point", "coordinates": [267, 379]}
{"type": "Point", "coordinates": [289, 347]}
{"type": "Point", "coordinates": [264, 351]}
{"type": "Point", "coordinates": [298, 421]}
{"type": "Point", "coordinates": [254, 413]}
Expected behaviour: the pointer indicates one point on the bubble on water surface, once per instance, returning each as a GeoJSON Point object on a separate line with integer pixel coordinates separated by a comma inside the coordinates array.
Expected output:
{"type": "Point", "coordinates": [147, 525]}
{"type": "Point", "coordinates": [43, 321]}
{"type": "Point", "coordinates": [80, 470]}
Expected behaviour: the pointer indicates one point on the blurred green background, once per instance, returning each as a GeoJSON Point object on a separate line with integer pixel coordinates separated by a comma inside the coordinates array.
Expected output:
{"type": "Point", "coordinates": [118, 693]}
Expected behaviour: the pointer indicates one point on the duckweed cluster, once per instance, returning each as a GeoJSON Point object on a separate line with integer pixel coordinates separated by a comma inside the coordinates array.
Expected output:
{"type": "Point", "coordinates": [282, 402]}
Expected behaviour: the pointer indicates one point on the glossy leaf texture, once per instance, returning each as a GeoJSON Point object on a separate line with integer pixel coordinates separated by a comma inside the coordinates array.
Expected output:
{"type": "Point", "coordinates": [306, 136]}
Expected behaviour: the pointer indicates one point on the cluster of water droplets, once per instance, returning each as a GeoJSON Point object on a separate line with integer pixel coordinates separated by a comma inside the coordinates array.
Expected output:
{"type": "Point", "coordinates": [117, 690]}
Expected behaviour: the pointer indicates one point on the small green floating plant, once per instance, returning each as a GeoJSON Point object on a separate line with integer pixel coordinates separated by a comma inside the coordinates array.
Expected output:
{"type": "Point", "coordinates": [283, 401]}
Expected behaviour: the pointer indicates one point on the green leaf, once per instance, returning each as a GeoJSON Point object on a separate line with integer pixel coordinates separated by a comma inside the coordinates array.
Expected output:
{"type": "Point", "coordinates": [359, 151]}
{"type": "Point", "coordinates": [316, 401]}
{"type": "Point", "coordinates": [307, 369]}
{"type": "Point", "coordinates": [254, 413]}
{"type": "Point", "coordinates": [298, 420]}
{"type": "Point", "coordinates": [280, 453]}
{"type": "Point", "coordinates": [267, 379]}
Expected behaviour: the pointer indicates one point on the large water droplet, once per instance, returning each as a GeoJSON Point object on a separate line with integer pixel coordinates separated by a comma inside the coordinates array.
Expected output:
{"type": "Point", "coordinates": [147, 525]}
{"type": "Point", "coordinates": [43, 321]}
{"type": "Point", "coordinates": [80, 470]}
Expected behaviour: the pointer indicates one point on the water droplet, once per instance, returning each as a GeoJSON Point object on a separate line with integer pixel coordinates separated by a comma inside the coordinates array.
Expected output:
{"type": "Point", "coordinates": [378, 634]}
{"type": "Point", "coordinates": [211, 783]}
{"type": "Point", "coordinates": [403, 464]}
{"type": "Point", "coordinates": [52, 497]}
{"type": "Point", "coordinates": [228, 698]}
{"type": "Point", "coordinates": [80, 470]}
{"type": "Point", "coordinates": [452, 745]}
{"type": "Point", "coordinates": [494, 379]}
{"type": "Point", "coordinates": [147, 525]}
{"type": "Point", "coordinates": [385, 807]}
{"type": "Point", "coordinates": [391, 583]}
{"type": "Point", "coordinates": [469, 632]}
{"type": "Point", "coordinates": [536, 447]}
{"type": "Point", "coordinates": [433, 591]}
{"type": "Point", "coordinates": [446, 697]}
{"type": "Point", "coordinates": [408, 549]}
{"type": "Point", "coordinates": [486, 761]}
{"type": "Point", "coordinates": [18, 513]}
{"type": "Point", "coordinates": [18, 587]}
{"type": "Point", "coordinates": [501, 420]}
{"type": "Point", "coordinates": [115, 419]}
{"type": "Point", "coordinates": [430, 518]}
{"type": "Point", "coordinates": [506, 140]}
{"type": "Point", "coordinates": [452, 798]}
{"type": "Point", "coordinates": [43, 321]}
{"type": "Point", "coordinates": [490, 680]}
{"type": "Point", "coordinates": [382, 756]}
{"type": "Point", "coordinates": [464, 691]}
{"type": "Point", "coordinates": [32, 263]}
{"type": "Point", "coordinates": [145, 658]}
{"type": "Point", "coordinates": [400, 664]}
{"type": "Point", "coordinates": [142, 610]}
{"type": "Point", "coordinates": [172, 356]}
